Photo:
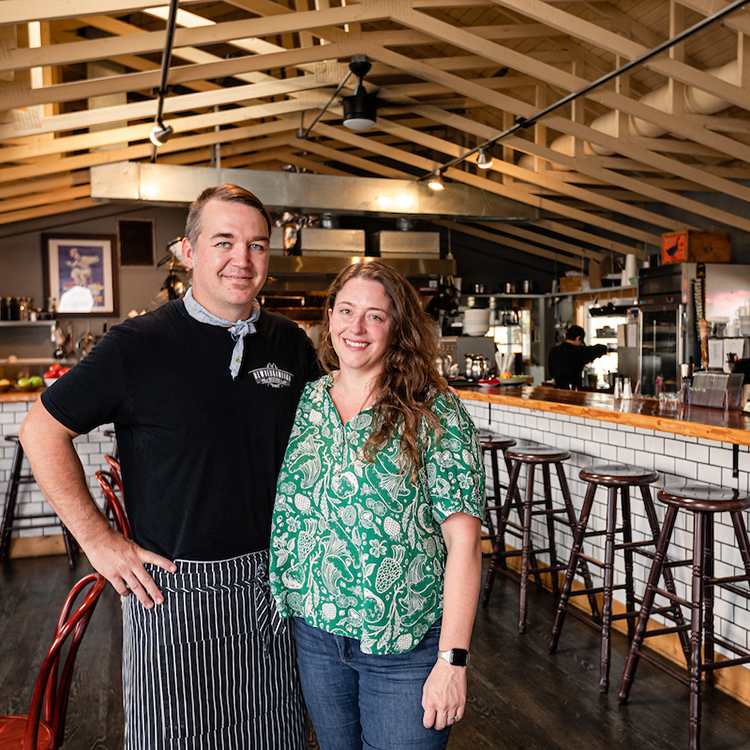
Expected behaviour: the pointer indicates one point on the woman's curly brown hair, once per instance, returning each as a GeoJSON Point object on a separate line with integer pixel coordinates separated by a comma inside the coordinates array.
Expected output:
{"type": "Point", "coordinates": [409, 380]}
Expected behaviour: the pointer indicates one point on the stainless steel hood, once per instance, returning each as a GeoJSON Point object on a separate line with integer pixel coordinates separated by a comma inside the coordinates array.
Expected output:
{"type": "Point", "coordinates": [167, 184]}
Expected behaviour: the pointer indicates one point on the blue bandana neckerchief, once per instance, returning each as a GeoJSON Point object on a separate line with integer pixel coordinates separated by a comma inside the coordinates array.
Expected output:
{"type": "Point", "coordinates": [237, 330]}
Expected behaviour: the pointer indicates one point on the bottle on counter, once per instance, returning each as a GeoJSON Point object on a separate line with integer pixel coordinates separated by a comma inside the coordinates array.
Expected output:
{"type": "Point", "coordinates": [627, 390]}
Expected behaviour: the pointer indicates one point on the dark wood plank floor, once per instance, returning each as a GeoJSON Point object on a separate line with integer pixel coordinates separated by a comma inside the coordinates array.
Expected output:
{"type": "Point", "coordinates": [521, 698]}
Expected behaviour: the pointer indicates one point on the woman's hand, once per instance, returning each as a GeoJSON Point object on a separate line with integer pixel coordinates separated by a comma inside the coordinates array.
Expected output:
{"type": "Point", "coordinates": [444, 695]}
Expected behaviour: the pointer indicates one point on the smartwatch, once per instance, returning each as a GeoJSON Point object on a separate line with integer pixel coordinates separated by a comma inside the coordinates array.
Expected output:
{"type": "Point", "coordinates": [458, 657]}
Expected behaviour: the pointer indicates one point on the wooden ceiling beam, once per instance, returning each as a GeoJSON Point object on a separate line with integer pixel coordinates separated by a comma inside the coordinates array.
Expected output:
{"type": "Point", "coordinates": [591, 33]}
{"type": "Point", "coordinates": [50, 209]}
{"type": "Point", "coordinates": [12, 205]}
{"type": "Point", "coordinates": [538, 179]}
{"type": "Point", "coordinates": [133, 153]}
{"type": "Point", "coordinates": [509, 242]}
{"type": "Point", "coordinates": [483, 183]}
{"type": "Point", "coordinates": [555, 77]}
{"type": "Point", "coordinates": [623, 146]}
{"type": "Point", "coordinates": [21, 11]}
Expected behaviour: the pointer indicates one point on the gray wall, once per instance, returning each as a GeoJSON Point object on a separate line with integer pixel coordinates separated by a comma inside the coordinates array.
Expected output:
{"type": "Point", "coordinates": [21, 269]}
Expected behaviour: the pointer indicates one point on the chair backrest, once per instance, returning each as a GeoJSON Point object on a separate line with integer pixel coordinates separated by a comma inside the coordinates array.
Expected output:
{"type": "Point", "coordinates": [51, 693]}
{"type": "Point", "coordinates": [107, 483]}
{"type": "Point", "coordinates": [114, 469]}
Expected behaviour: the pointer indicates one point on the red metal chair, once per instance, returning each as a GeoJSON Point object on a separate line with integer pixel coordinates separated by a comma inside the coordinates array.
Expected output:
{"type": "Point", "coordinates": [114, 469]}
{"type": "Point", "coordinates": [107, 482]}
{"type": "Point", "coordinates": [44, 727]}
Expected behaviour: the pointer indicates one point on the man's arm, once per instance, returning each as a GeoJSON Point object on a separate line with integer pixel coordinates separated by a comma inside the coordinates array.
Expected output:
{"type": "Point", "coordinates": [58, 472]}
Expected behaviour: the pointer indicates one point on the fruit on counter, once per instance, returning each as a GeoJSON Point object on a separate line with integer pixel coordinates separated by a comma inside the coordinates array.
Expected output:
{"type": "Point", "coordinates": [55, 371]}
{"type": "Point", "coordinates": [504, 375]}
{"type": "Point", "coordinates": [36, 381]}
{"type": "Point", "coordinates": [4, 382]}
{"type": "Point", "coordinates": [23, 382]}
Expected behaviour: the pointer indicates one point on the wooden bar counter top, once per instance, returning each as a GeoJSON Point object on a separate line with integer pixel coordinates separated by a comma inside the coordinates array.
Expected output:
{"type": "Point", "coordinates": [731, 426]}
{"type": "Point", "coordinates": [15, 396]}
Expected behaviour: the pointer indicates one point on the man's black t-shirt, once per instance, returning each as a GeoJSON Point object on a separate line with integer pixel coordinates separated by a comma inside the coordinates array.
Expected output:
{"type": "Point", "coordinates": [566, 361]}
{"type": "Point", "coordinates": [199, 451]}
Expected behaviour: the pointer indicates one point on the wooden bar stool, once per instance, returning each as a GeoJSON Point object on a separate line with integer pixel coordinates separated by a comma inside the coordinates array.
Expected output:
{"type": "Point", "coordinates": [531, 455]}
{"type": "Point", "coordinates": [17, 478]}
{"type": "Point", "coordinates": [613, 477]}
{"type": "Point", "coordinates": [491, 444]}
{"type": "Point", "coordinates": [703, 502]}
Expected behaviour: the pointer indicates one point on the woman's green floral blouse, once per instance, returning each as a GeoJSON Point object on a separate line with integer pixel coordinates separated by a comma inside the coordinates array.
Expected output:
{"type": "Point", "coordinates": [356, 547]}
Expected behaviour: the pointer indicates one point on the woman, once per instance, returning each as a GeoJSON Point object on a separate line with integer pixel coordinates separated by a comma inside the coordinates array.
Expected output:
{"type": "Point", "coordinates": [375, 550]}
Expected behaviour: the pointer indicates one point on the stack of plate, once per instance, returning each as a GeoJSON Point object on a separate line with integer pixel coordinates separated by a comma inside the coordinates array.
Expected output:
{"type": "Point", "coordinates": [476, 321]}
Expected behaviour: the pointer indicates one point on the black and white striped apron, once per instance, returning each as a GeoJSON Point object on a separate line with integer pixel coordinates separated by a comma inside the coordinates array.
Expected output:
{"type": "Point", "coordinates": [214, 666]}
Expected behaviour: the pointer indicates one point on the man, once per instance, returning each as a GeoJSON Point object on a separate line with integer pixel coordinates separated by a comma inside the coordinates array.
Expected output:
{"type": "Point", "coordinates": [202, 393]}
{"type": "Point", "coordinates": [566, 360]}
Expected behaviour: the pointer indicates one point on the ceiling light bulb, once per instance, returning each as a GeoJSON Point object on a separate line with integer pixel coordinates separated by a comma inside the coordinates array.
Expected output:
{"type": "Point", "coordinates": [484, 160]}
{"type": "Point", "coordinates": [436, 182]}
{"type": "Point", "coordinates": [160, 133]}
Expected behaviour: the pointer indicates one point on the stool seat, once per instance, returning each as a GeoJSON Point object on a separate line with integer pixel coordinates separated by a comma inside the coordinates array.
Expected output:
{"type": "Point", "coordinates": [617, 474]}
{"type": "Point", "coordinates": [499, 442]}
{"type": "Point", "coordinates": [705, 499]}
{"type": "Point", "coordinates": [536, 453]}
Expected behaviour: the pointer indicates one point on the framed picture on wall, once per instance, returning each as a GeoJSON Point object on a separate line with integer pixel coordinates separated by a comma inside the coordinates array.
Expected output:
{"type": "Point", "coordinates": [80, 272]}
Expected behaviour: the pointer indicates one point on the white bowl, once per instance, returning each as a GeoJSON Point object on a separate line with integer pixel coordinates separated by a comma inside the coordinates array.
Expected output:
{"type": "Point", "coordinates": [49, 381]}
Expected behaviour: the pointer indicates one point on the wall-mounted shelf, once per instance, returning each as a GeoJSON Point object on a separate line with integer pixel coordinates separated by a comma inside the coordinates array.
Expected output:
{"type": "Point", "coordinates": [503, 295]}
{"type": "Point", "coordinates": [632, 287]}
{"type": "Point", "coordinates": [27, 323]}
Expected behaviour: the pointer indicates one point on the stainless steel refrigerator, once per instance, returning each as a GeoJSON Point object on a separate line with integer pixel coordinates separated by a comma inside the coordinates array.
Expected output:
{"type": "Point", "coordinates": [672, 298]}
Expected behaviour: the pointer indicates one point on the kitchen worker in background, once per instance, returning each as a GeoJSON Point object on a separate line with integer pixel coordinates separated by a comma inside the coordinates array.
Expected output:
{"type": "Point", "coordinates": [567, 360]}
{"type": "Point", "coordinates": [375, 549]}
{"type": "Point", "coordinates": [202, 392]}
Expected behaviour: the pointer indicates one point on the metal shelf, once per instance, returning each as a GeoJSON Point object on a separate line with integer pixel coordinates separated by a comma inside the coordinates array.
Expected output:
{"type": "Point", "coordinates": [27, 323]}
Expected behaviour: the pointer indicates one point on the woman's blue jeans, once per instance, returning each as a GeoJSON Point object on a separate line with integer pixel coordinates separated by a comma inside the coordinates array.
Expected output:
{"type": "Point", "coordinates": [361, 701]}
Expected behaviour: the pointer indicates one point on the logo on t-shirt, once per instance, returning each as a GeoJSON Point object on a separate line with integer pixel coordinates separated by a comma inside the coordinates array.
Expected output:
{"type": "Point", "coordinates": [272, 375]}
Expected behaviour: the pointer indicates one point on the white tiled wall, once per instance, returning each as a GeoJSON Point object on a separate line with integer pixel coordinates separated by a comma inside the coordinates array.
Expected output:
{"type": "Point", "coordinates": [91, 449]}
{"type": "Point", "coordinates": [679, 460]}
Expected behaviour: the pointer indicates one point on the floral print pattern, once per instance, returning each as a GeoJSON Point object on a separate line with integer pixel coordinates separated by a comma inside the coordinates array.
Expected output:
{"type": "Point", "coordinates": [356, 547]}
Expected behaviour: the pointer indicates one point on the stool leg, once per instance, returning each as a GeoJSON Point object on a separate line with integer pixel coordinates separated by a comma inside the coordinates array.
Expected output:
{"type": "Point", "coordinates": [11, 496]}
{"type": "Point", "coordinates": [496, 491]}
{"type": "Point", "coordinates": [627, 538]}
{"type": "Point", "coordinates": [517, 503]}
{"type": "Point", "coordinates": [525, 546]}
{"type": "Point", "coordinates": [609, 567]}
{"type": "Point", "coordinates": [648, 601]}
{"type": "Point", "coordinates": [71, 546]}
{"type": "Point", "coordinates": [499, 544]}
{"type": "Point", "coordinates": [580, 530]}
{"type": "Point", "coordinates": [701, 536]}
{"type": "Point", "coordinates": [707, 596]}
{"type": "Point", "coordinates": [740, 532]}
{"type": "Point", "coordinates": [550, 530]}
{"type": "Point", "coordinates": [653, 522]}
{"type": "Point", "coordinates": [582, 564]}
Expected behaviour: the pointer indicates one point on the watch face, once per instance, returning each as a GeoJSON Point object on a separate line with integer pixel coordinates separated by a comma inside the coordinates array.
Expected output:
{"type": "Point", "coordinates": [459, 657]}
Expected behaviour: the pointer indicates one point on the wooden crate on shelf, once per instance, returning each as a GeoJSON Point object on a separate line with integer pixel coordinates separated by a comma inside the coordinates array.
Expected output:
{"type": "Point", "coordinates": [570, 283]}
{"type": "Point", "coordinates": [689, 246]}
